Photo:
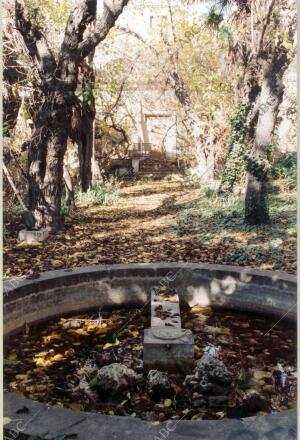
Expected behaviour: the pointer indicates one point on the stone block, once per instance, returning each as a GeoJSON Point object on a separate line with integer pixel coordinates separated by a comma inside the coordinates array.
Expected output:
{"type": "Point", "coordinates": [168, 349]}
{"type": "Point", "coordinates": [168, 306]}
{"type": "Point", "coordinates": [30, 236]}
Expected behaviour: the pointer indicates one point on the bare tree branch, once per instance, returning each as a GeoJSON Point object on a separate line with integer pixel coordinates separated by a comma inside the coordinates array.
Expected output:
{"type": "Point", "coordinates": [81, 16]}
{"type": "Point", "coordinates": [265, 25]}
{"type": "Point", "coordinates": [36, 44]}
{"type": "Point", "coordinates": [111, 11]}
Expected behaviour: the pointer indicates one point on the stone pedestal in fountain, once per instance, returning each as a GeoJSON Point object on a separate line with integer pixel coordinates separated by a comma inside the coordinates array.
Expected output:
{"type": "Point", "coordinates": [167, 347]}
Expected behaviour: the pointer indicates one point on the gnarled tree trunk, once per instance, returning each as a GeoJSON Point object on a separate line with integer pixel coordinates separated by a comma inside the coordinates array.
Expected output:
{"type": "Point", "coordinates": [83, 127]}
{"type": "Point", "coordinates": [45, 159]}
{"type": "Point", "coordinates": [68, 188]}
{"type": "Point", "coordinates": [256, 204]}
{"type": "Point", "coordinates": [59, 82]}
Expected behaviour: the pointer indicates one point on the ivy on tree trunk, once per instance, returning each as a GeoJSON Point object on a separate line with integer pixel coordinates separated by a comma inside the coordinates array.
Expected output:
{"type": "Point", "coordinates": [258, 166]}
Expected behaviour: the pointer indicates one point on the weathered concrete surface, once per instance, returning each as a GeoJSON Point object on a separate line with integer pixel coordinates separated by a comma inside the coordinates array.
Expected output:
{"type": "Point", "coordinates": [171, 307]}
{"type": "Point", "coordinates": [30, 236]}
{"type": "Point", "coordinates": [168, 353]}
{"type": "Point", "coordinates": [166, 346]}
{"type": "Point", "coordinates": [52, 423]}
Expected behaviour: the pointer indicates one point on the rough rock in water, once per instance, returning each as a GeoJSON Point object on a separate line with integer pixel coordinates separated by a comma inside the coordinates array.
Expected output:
{"type": "Point", "coordinates": [114, 378]}
{"type": "Point", "coordinates": [104, 358]}
{"type": "Point", "coordinates": [210, 376]}
{"type": "Point", "coordinates": [158, 383]}
{"type": "Point", "coordinates": [212, 369]}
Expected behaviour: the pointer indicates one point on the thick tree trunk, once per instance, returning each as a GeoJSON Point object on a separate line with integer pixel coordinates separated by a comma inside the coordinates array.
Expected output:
{"type": "Point", "coordinates": [82, 135]}
{"type": "Point", "coordinates": [83, 122]}
{"type": "Point", "coordinates": [68, 188]}
{"type": "Point", "coordinates": [242, 128]}
{"type": "Point", "coordinates": [85, 149]}
{"type": "Point", "coordinates": [59, 80]}
{"type": "Point", "coordinates": [86, 153]}
{"type": "Point", "coordinates": [45, 160]}
{"type": "Point", "coordinates": [256, 203]}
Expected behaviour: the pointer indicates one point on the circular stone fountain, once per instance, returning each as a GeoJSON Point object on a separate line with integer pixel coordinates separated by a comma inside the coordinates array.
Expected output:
{"type": "Point", "coordinates": [61, 292]}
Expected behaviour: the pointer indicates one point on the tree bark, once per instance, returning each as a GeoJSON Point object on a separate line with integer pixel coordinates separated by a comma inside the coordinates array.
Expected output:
{"type": "Point", "coordinates": [256, 203]}
{"type": "Point", "coordinates": [68, 188]}
{"type": "Point", "coordinates": [11, 76]}
{"type": "Point", "coordinates": [45, 160]}
{"type": "Point", "coordinates": [84, 116]}
{"type": "Point", "coordinates": [82, 135]}
{"type": "Point", "coordinates": [59, 82]}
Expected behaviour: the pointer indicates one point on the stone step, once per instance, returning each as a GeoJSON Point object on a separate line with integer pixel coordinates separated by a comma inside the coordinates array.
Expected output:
{"type": "Point", "coordinates": [158, 174]}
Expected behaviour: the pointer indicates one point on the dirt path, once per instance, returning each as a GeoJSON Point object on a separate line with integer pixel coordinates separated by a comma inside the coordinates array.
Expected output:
{"type": "Point", "coordinates": [135, 230]}
{"type": "Point", "coordinates": [153, 222]}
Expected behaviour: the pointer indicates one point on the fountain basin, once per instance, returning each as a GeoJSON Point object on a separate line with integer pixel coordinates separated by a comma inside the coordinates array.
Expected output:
{"type": "Point", "coordinates": [66, 291]}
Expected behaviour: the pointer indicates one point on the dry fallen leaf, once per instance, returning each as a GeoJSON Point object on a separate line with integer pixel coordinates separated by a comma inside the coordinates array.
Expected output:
{"type": "Point", "coordinates": [167, 403]}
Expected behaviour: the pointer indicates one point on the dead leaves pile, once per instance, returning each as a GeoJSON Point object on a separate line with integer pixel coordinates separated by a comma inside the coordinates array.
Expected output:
{"type": "Point", "coordinates": [151, 231]}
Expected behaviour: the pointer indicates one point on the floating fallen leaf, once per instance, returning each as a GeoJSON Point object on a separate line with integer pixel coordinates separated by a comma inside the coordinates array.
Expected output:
{"type": "Point", "coordinates": [261, 413]}
{"type": "Point", "coordinates": [12, 357]}
{"type": "Point", "coordinates": [79, 331]}
{"type": "Point", "coordinates": [108, 345]}
{"type": "Point", "coordinates": [101, 330]}
{"type": "Point", "coordinates": [260, 374]}
{"type": "Point", "coordinates": [197, 417]}
{"type": "Point", "coordinates": [41, 354]}
{"type": "Point", "coordinates": [21, 376]}
{"type": "Point", "coordinates": [217, 330]}
{"type": "Point", "coordinates": [221, 414]}
{"type": "Point", "coordinates": [75, 406]}
{"type": "Point", "coordinates": [167, 403]}
{"type": "Point", "coordinates": [137, 347]}
{"type": "Point", "coordinates": [40, 362]}
{"type": "Point", "coordinates": [269, 389]}
{"type": "Point", "coordinates": [41, 387]}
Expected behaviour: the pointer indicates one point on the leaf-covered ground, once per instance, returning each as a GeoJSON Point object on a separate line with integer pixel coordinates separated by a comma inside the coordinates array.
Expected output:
{"type": "Point", "coordinates": [57, 362]}
{"type": "Point", "coordinates": [163, 221]}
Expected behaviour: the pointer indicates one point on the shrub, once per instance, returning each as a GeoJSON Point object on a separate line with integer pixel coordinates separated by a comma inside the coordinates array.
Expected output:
{"type": "Point", "coordinates": [99, 194]}
{"type": "Point", "coordinates": [69, 213]}
{"type": "Point", "coordinates": [285, 167]}
{"type": "Point", "coordinates": [5, 235]}
{"type": "Point", "coordinates": [212, 202]}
